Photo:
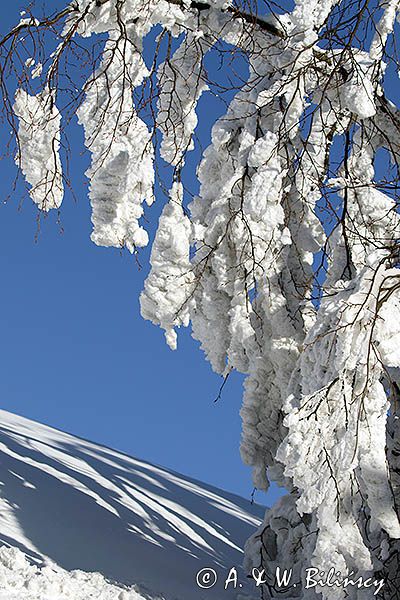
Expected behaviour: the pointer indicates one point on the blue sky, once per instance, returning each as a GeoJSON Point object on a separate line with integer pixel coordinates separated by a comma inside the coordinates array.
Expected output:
{"type": "Point", "coordinates": [77, 355]}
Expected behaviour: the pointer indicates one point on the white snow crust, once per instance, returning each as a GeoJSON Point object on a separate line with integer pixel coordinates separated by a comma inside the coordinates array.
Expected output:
{"type": "Point", "coordinates": [80, 521]}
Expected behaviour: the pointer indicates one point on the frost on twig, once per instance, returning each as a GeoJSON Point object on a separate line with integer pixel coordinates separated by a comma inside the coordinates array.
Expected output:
{"type": "Point", "coordinates": [170, 283]}
{"type": "Point", "coordinates": [38, 147]}
{"type": "Point", "coordinates": [121, 173]}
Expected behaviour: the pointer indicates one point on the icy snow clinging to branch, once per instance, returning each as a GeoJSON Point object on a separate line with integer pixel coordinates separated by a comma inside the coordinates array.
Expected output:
{"type": "Point", "coordinates": [384, 28]}
{"type": "Point", "coordinates": [166, 297]}
{"type": "Point", "coordinates": [121, 174]}
{"type": "Point", "coordinates": [180, 81]}
{"type": "Point", "coordinates": [38, 148]}
{"type": "Point", "coordinates": [342, 411]}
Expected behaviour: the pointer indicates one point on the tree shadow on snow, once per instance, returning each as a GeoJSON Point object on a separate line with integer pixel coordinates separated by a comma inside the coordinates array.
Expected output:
{"type": "Point", "coordinates": [87, 507]}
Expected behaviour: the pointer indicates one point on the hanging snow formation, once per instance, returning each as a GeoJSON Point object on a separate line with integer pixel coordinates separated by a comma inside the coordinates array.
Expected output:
{"type": "Point", "coordinates": [39, 145]}
{"type": "Point", "coordinates": [290, 178]}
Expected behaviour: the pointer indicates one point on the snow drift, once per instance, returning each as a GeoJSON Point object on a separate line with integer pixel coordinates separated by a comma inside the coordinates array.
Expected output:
{"type": "Point", "coordinates": [132, 530]}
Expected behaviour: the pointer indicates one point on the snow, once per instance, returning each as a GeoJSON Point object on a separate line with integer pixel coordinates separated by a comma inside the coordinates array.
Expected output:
{"type": "Point", "coordinates": [121, 174]}
{"type": "Point", "coordinates": [39, 144]}
{"type": "Point", "coordinates": [164, 298]}
{"type": "Point", "coordinates": [238, 263]}
{"type": "Point", "coordinates": [20, 580]}
{"type": "Point", "coordinates": [180, 81]}
{"type": "Point", "coordinates": [357, 93]}
{"type": "Point", "coordinates": [384, 28]}
{"type": "Point", "coordinates": [79, 521]}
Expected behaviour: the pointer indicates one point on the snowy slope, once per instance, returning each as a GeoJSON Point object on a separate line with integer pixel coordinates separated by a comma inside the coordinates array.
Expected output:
{"type": "Point", "coordinates": [70, 504]}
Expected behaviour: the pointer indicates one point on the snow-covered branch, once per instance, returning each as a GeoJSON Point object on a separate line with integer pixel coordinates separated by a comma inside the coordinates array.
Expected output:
{"type": "Point", "coordinates": [285, 264]}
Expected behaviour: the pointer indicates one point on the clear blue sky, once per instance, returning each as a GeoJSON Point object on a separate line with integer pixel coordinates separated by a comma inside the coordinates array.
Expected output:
{"type": "Point", "coordinates": [77, 355]}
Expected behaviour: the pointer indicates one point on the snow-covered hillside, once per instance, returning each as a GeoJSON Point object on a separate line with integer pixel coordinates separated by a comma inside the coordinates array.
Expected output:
{"type": "Point", "coordinates": [141, 531]}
